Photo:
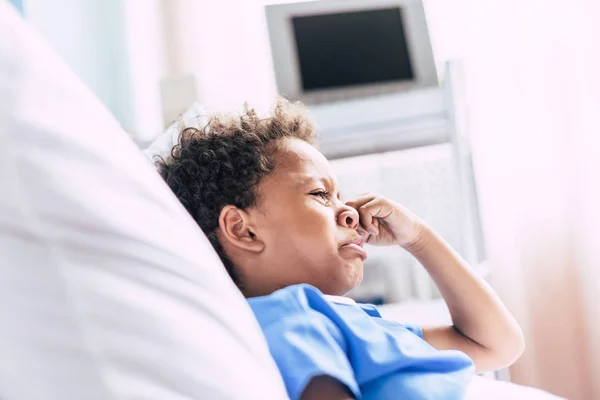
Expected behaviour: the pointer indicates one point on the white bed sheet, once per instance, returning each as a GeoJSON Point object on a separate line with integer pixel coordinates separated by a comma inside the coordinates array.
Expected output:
{"type": "Point", "coordinates": [487, 389]}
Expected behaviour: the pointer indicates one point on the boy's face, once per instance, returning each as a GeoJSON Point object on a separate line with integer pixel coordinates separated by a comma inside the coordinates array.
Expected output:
{"type": "Point", "coordinates": [309, 234]}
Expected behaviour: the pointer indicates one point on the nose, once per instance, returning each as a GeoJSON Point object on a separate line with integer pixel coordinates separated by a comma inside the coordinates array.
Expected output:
{"type": "Point", "coordinates": [348, 218]}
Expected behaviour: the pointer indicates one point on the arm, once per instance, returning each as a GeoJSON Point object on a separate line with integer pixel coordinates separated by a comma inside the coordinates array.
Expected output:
{"type": "Point", "coordinates": [326, 388]}
{"type": "Point", "coordinates": [482, 327]}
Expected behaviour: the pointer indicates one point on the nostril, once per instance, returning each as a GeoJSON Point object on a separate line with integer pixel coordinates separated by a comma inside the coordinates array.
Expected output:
{"type": "Point", "coordinates": [349, 221]}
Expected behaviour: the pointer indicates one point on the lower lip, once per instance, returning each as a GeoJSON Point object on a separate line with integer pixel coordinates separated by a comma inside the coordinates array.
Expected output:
{"type": "Point", "coordinates": [357, 248]}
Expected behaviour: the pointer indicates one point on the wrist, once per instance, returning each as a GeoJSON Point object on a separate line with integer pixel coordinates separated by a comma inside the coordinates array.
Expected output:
{"type": "Point", "coordinates": [422, 238]}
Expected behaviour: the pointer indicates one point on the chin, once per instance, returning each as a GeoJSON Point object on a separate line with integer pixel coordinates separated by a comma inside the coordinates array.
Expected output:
{"type": "Point", "coordinates": [354, 274]}
{"type": "Point", "coordinates": [341, 279]}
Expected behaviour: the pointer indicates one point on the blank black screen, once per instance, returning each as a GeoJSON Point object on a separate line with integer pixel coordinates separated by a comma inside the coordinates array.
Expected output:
{"type": "Point", "coordinates": [352, 48]}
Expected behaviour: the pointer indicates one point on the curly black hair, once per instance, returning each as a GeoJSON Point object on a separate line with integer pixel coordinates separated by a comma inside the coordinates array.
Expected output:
{"type": "Point", "coordinates": [222, 164]}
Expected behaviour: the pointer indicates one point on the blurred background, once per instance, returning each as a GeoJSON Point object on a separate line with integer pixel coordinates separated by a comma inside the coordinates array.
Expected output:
{"type": "Point", "coordinates": [493, 135]}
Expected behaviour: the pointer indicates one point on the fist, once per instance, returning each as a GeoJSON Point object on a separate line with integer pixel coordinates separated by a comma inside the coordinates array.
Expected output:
{"type": "Point", "coordinates": [384, 222]}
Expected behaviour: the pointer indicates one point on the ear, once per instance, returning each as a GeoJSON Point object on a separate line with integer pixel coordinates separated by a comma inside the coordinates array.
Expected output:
{"type": "Point", "coordinates": [236, 228]}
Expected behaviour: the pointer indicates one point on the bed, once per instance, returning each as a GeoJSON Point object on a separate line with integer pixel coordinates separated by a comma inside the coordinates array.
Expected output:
{"type": "Point", "coordinates": [108, 290]}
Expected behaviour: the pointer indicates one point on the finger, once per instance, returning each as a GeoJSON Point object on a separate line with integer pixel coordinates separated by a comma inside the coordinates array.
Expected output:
{"type": "Point", "coordinates": [366, 221]}
{"type": "Point", "coordinates": [361, 200]}
{"type": "Point", "coordinates": [375, 227]}
{"type": "Point", "coordinates": [371, 224]}
{"type": "Point", "coordinates": [373, 211]}
{"type": "Point", "coordinates": [376, 223]}
{"type": "Point", "coordinates": [378, 207]}
{"type": "Point", "coordinates": [362, 232]}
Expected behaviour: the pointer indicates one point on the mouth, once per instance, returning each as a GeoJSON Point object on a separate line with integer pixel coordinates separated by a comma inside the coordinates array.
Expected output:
{"type": "Point", "coordinates": [356, 246]}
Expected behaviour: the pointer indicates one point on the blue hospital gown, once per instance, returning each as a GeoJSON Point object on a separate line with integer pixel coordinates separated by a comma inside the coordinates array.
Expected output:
{"type": "Point", "coordinates": [375, 358]}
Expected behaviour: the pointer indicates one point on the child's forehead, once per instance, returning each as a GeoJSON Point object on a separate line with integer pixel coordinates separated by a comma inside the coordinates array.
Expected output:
{"type": "Point", "coordinates": [301, 163]}
{"type": "Point", "coordinates": [300, 154]}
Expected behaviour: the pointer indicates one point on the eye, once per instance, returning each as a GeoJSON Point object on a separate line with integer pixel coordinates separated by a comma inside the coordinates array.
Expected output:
{"type": "Point", "coordinates": [323, 194]}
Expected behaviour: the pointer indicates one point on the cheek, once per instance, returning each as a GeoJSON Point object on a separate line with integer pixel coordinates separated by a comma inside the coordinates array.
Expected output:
{"type": "Point", "coordinates": [310, 235]}
{"type": "Point", "coordinates": [305, 228]}
{"type": "Point", "coordinates": [316, 225]}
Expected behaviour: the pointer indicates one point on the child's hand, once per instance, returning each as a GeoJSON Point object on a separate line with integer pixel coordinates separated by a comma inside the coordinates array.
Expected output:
{"type": "Point", "coordinates": [386, 222]}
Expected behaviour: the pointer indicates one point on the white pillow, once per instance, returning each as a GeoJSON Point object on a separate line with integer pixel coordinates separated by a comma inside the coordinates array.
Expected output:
{"type": "Point", "coordinates": [195, 116]}
{"type": "Point", "coordinates": [108, 289]}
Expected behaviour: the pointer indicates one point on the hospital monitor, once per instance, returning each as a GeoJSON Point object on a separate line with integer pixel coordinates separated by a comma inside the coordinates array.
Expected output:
{"type": "Point", "coordinates": [331, 50]}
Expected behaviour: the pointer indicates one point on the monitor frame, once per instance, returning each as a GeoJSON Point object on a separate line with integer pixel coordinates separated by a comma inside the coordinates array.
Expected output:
{"type": "Point", "coordinates": [285, 58]}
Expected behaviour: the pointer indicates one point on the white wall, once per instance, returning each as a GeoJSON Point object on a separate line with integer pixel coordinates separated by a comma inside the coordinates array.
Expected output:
{"type": "Point", "coordinates": [89, 37]}
{"type": "Point", "coordinates": [115, 47]}
{"type": "Point", "coordinates": [224, 44]}
{"type": "Point", "coordinates": [148, 65]}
